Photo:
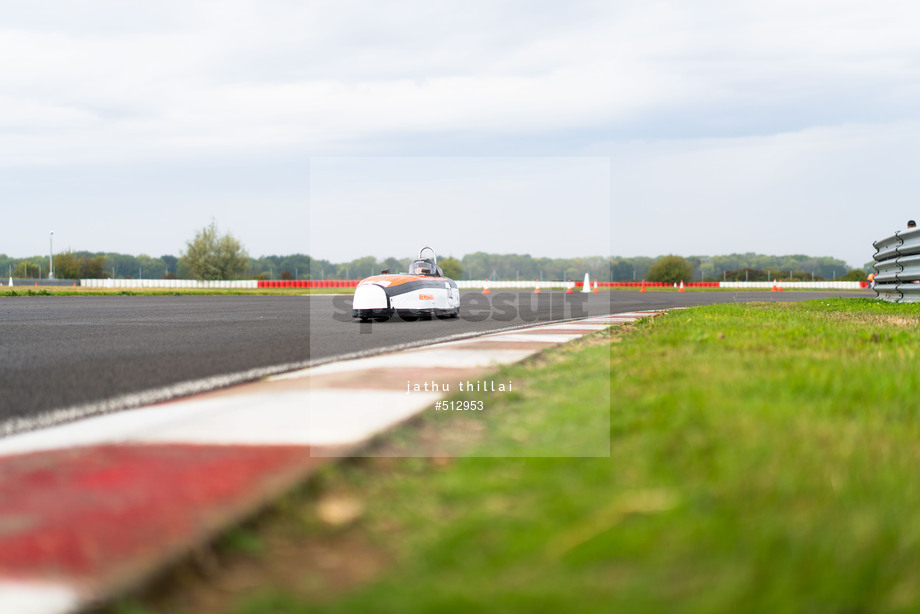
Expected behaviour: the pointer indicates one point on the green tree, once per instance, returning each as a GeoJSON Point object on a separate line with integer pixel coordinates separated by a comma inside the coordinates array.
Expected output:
{"type": "Point", "coordinates": [149, 268]}
{"type": "Point", "coordinates": [94, 268]}
{"type": "Point", "coordinates": [746, 274]}
{"type": "Point", "coordinates": [451, 267]}
{"type": "Point", "coordinates": [670, 270]}
{"type": "Point", "coordinates": [212, 256]}
{"type": "Point", "coordinates": [854, 275]}
{"type": "Point", "coordinates": [27, 268]}
{"type": "Point", "coordinates": [67, 265]}
{"type": "Point", "coordinates": [172, 265]}
{"type": "Point", "coordinates": [396, 265]}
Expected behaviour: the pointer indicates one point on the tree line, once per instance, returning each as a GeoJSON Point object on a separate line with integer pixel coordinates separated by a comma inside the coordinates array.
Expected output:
{"type": "Point", "coordinates": [110, 265]}
{"type": "Point", "coordinates": [673, 269]}
{"type": "Point", "coordinates": [480, 265]}
{"type": "Point", "coordinates": [212, 255]}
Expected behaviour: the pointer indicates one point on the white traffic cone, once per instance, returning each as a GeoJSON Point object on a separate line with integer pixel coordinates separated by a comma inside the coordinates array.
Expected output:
{"type": "Point", "coordinates": [586, 287]}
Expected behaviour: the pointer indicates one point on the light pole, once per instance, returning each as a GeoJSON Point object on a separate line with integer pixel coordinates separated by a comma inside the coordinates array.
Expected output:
{"type": "Point", "coordinates": [51, 256]}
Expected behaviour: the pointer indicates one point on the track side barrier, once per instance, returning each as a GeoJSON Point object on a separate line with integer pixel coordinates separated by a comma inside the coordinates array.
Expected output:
{"type": "Point", "coordinates": [167, 283]}
{"type": "Point", "coordinates": [885, 268]}
{"type": "Point", "coordinates": [308, 284]}
{"type": "Point", "coordinates": [897, 267]}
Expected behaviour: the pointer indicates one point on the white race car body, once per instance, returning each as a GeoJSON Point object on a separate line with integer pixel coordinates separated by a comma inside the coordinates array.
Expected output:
{"type": "Point", "coordinates": [424, 291]}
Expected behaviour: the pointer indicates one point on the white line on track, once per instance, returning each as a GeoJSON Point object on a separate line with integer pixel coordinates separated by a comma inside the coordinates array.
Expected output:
{"type": "Point", "coordinates": [139, 399]}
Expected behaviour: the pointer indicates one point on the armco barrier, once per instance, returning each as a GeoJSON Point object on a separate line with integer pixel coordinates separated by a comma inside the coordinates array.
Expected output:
{"type": "Point", "coordinates": [897, 266]}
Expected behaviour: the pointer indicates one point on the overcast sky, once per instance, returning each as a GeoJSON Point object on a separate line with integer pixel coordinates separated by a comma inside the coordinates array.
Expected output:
{"type": "Point", "coordinates": [345, 129]}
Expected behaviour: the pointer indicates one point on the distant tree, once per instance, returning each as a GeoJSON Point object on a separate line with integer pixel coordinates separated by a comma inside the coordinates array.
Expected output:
{"type": "Point", "coordinates": [395, 265]}
{"type": "Point", "coordinates": [172, 265]}
{"type": "Point", "coordinates": [25, 268]}
{"type": "Point", "coordinates": [67, 265]}
{"type": "Point", "coordinates": [321, 269]}
{"type": "Point", "coordinates": [621, 270]}
{"type": "Point", "coordinates": [149, 268]}
{"type": "Point", "coordinates": [211, 256]}
{"type": "Point", "coordinates": [287, 275]}
{"type": "Point", "coordinates": [451, 267]}
{"type": "Point", "coordinates": [94, 268]}
{"type": "Point", "coordinates": [746, 274]}
{"type": "Point", "coordinates": [854, 275]}
{"type": "Point", "coordinates": [77, 265]}
{"type": "Point", "coordinates": [362, 267]}
{"type": "Point", "coordinates": [671, 269]}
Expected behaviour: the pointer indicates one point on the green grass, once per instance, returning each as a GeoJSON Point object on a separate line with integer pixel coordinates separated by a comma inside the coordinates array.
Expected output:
{"type": "Point", "coordinates": [763, 458]}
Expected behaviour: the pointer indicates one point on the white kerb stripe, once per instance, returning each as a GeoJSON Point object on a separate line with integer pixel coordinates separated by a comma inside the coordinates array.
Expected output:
{"type": "Point", "coordinates": [351, 416]}
{"type": "Point", "coordinates": [37, 598]}
{"type": "Point", "coordinates": [305, 417]}
{"type": "Point", "coordinates": [452, 358]}
{"type": "Point", "coordinates": [317, 417]}
{"type": "Point", "coordinates": [524, 337]}
{"type": "Point", "coordinates": [574, 326]}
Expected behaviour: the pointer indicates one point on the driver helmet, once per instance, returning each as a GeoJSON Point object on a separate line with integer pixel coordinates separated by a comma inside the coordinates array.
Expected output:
{"type": "Point", "coordinates": [419, 265]}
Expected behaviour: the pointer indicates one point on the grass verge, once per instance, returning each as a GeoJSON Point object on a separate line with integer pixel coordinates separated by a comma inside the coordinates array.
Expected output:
{"type": "Point", "coordinates": [762, 459]}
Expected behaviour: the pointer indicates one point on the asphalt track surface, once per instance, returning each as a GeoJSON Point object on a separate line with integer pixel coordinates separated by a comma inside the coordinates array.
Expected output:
{"type": "Point", "coordinates": [65, 352]}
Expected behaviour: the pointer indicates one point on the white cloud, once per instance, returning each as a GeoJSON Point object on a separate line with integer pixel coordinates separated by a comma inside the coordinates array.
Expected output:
{"type": "Point", "coordinates": [236, 75]}
{"type": "Point", "coordinates": [821, 191]}
{"type": "Point", "coordinates": [737, 102]}
{"type": "Point", "coordinates": [382, 207]}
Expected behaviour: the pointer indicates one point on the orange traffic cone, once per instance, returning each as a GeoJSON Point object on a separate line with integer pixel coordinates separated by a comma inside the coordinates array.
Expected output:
{"type": "Point", "coordinates": [568, 289]}
{"type": "Point", "coordinates": [486, 289]}
{"type": "Point", "coordinates": [642, 289]}
{"type": "Point", "coordinates": [775, 289]}
{"type": "Point", "coordinates": [681, 286]}
{"type": "Point", "coordinates": [781, 285]}
{"type": "Point", "coordinates": [537, 290]}
{"type": "Point", "coordinates": [595, 287]}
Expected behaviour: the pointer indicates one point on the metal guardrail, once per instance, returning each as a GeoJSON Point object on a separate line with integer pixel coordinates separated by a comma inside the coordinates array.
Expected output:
{"type": "Point", "coordinates": [897, 266]}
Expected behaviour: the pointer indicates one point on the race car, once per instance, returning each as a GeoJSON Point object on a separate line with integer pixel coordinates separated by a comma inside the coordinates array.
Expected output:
{"type": "Point", "coordinates": [424, 292]}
